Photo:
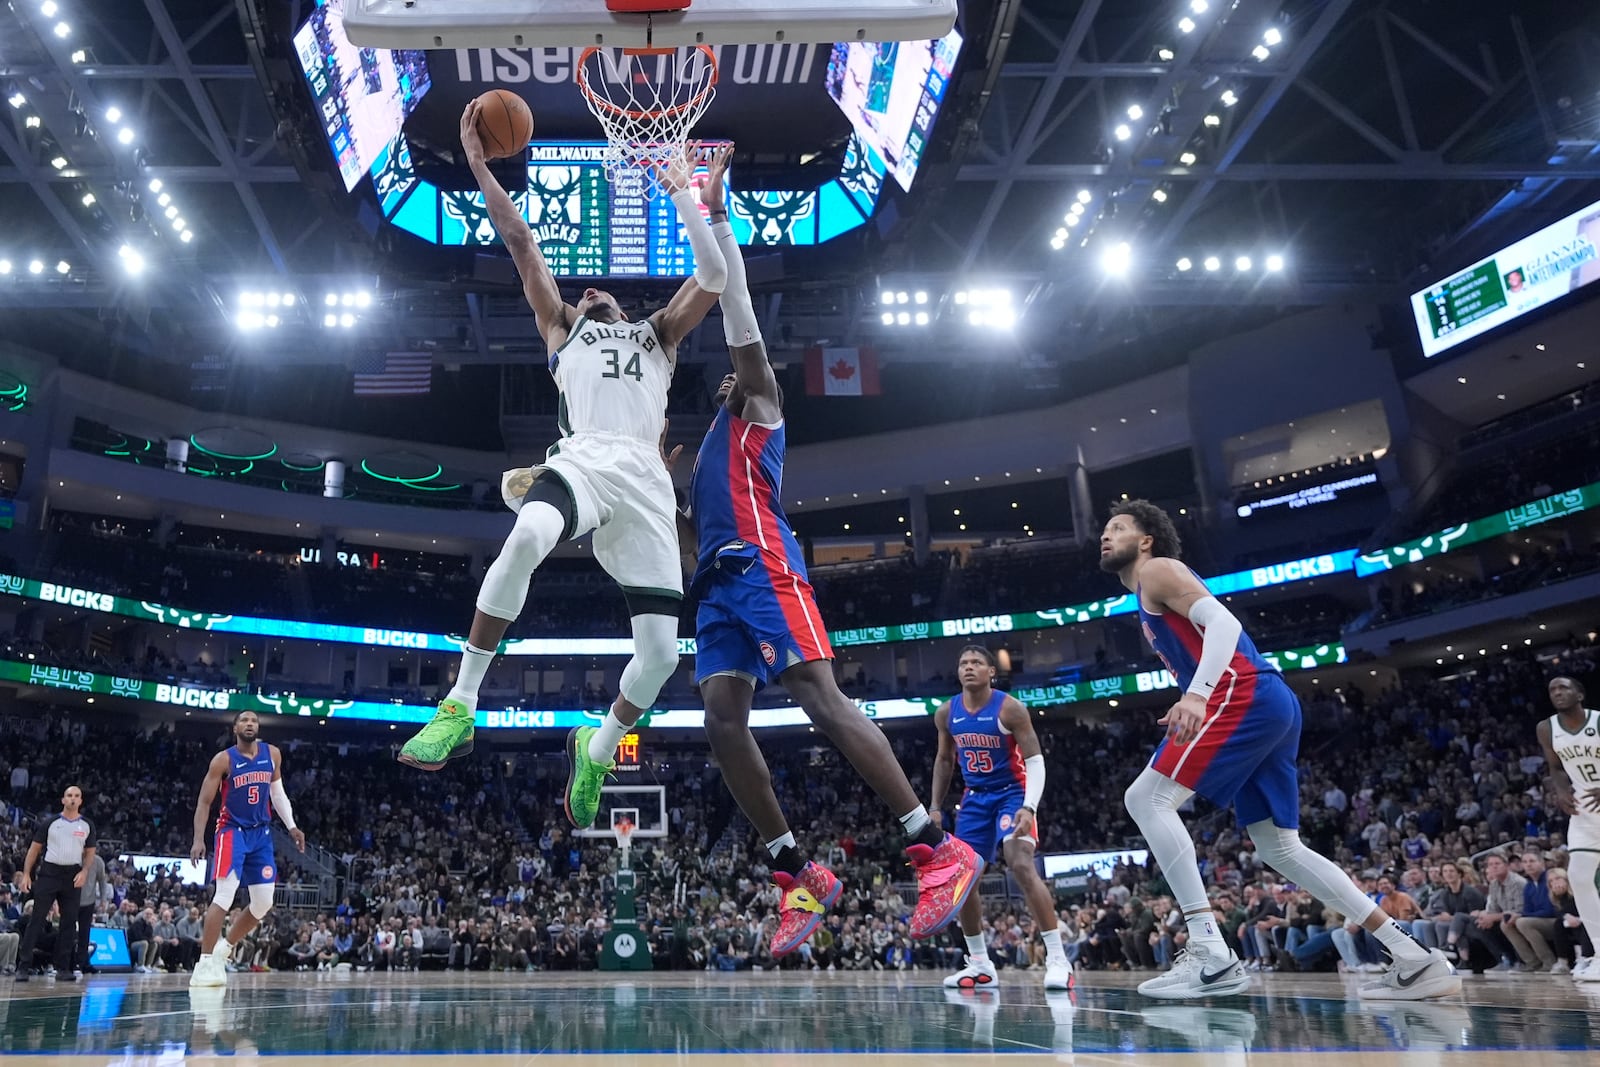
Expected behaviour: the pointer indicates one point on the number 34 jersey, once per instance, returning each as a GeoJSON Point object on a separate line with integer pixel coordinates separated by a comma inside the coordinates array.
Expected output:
{"type": "Point", "coordinates": [986, 753]}
{"type": "Point", "coordinates": [613, 379]}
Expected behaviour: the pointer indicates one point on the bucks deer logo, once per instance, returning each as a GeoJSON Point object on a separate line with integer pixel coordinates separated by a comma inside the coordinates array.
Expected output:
{"type": "Point", "coordinates": [555, 204]}
{"type": "Point", "coordinates": [858, 174]}
{"type": "Point", "coordinates": [470, 211]}
{"type": "Point", "coordinates": [188, 620]}
{"type": "Point", "coordinates": [394, 174]}
{"type": "Point", "coordinates": [293, 705]}
{"type": "Point", "coordinates": [773, 216]}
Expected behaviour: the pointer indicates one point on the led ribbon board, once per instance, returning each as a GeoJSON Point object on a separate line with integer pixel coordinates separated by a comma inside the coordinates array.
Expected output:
{"type": "Point", "coordinates": [233, 701]}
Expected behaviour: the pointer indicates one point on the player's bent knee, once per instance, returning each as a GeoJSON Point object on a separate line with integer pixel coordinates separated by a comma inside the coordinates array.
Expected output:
{"type": "Point", "coordinates": [260, 900]}
{"type": "Point", "coordinates": [227, 889]}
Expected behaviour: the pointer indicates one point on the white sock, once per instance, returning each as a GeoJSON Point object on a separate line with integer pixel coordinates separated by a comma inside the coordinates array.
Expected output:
{"type": "Point", "coordinates": [1204, 931]}
{"type": "Point", "coordinates": [1052, 944]}
{"type": "Point", "coordinates": [776, 846]}
{"type": "Point", "coordinates": [222, 949]}
{"type": "Point", "coordinates": [604, 741]}
{"type": "Point", "coordinates": [1401, 945]}
{"type": "Point", "coordinates": [474, 664]}
{"type": "Point", "coordinates": [976, 947]}
{"type": "Point", "coordinates": [915, 820]}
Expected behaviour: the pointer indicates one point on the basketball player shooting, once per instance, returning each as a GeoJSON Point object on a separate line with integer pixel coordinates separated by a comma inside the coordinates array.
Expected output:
{"type": "Point", "coordinates": [758, 623]}
{"type": "Point", "coordinates": [1232, 737]}
{"type": "Point", "coordinates": [250, 776]}
{"type": "Point", "coordinates": [604, 474]}
{"type": "Point", "coordinates": [1571, 742]}
{"type": "Point", "coordinates": [986, 732]}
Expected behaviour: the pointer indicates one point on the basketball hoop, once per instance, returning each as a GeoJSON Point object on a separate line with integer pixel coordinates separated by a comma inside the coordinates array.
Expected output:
{"type": "Point", "coordinates": [647, 101]}
{"type": "Point", "coordinates": [623, 829]}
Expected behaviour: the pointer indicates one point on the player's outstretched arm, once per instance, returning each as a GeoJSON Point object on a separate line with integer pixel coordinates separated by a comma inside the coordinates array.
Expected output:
{"type": "Point", "coordinates": [551, 314]}
{"type": "Point", "coordinates": [944, 764]}
{"type": "Point", "coordinates": [739, 326]}
{"type": "Point", "coordinates": [280, 799]}
{"type": "Point", "coordinates": [215, 773]}
{"type": "Point", "coordinates": [699, 294]}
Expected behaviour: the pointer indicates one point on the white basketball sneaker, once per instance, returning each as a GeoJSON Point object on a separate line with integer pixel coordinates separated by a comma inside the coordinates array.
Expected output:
{"type": "Point", "coordinates": [1587, 970]}
{"type": "Point", "coordinates": [1058, 976]}
{"type": "Point", "coordinates": [1416, 981]}
{"type": "Point", "coordinates": [1199, 972]}
{"type": "Point", "coordinates": [210, 970]}
{"type": "Point", "coordinates": [977, 974]}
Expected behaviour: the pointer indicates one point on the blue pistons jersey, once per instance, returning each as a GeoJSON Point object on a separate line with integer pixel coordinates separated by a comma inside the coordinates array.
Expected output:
{"type": "Point", "coordinates": [247, 789]}
{"type": "Point", "coordinates": [986, 754]}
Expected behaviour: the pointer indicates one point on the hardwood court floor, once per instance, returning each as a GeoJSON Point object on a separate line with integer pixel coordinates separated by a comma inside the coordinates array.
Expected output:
{"type": "Point", "coordinates": [779, 1020]}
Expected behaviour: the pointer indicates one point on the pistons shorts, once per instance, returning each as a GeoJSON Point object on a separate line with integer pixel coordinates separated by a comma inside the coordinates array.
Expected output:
{"type": "Point", "coordinates": [987, 820]}
{"type": "Point", "coordinates": [756, 620]}
{"type": "Point", "coordinates": [1244, 755]}
{"type": "Point", "coordinates": [245, 851]}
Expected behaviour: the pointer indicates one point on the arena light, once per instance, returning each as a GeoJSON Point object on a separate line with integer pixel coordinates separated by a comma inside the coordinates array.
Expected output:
{"type": "Point", "coordinates": [1188, 159]}
{"type": "Point", "coordinates": [16, 100]}
{"type": "Point", "coordinates": [59, 162]}
{"type": "Point", "coordinates": [903, 319]}
{"type": "Point", "coordinates": [80, 56]}
{"type": "Point", "coordinates": [1274, 263]}
{"type": "Point", "coordinates": [1242, 264]}
{"type": "Point", "coordinates": [888, 319]}
{"type": "Point", "coordinates": [922, 318]}
{"type": "Point", "coordinates": [125, 136]}
{"type": "Point", "coordinates": [48, 9]}
{"type": "Point", "coordinates": [1272, 37]}
{"type": "Point", "coordinates": [886, 297]}
{"type": "Point", "coordinates": [88, 200]}
{"type": "Point", "coordinates": [1213, 121]}
{"type": "Point", "coordinates": [31, 122]}
{"type": "Point", "coordinates": [164, 199]}
{"type": "Point", "coordinates": [1084, 196]}
{"type": "Point", "coordinates": [249, 320]}
{"type": "Point", "coordinates": [132, 261]}
{"type": "Point", "coordinates": [1135, 112]}
{"type": "Point", "coordinates": [1199, 7]}
{"type": "Point", "coordinates": [1072, 220]}
{"type": "Point", "coordinates": [155, 185]}
{"type": "Point", "coordinates": [113, 114]}
{"type": "Point", "coordinates": [1117, 259]}
{"type": "Point", "coordinates": [63, 267]}
{"type": "Point", "coordinates": [1212, 263]}
{"type": "Point", "coordinates": [35, 266]}
{"type": "Point", "coordinates": [347, 320]}
{"type": "Point", "coordinates": [179, 224]}
{"type": "Point", "coordinates": [330, 320]}
{"type": "Point", "coordinates": [1186, 25]}
{"type": "Point", "coordinates": [1229, 98]}
{"type": "Point", "coordinates": [921, 296]}
{"type": "Point", "coordinates": [186, 236]}
{"type": "Point", "coordinates": [63, 31]}
{"type": "Point", "coordinates": [5, 266]}
{"type": "Point", "coordinates": [1185, 263]}
{"type": "Point", "coordinates": [1159, 195]}
{"type": "Point", "coordinates": [1261, 52]}
{"type": "Point", "coordinates": [1122, 132]}
{"type": "Point", "coordinates": [172, 211]}
{"type": "Point", "coordinates": [1166, 55]}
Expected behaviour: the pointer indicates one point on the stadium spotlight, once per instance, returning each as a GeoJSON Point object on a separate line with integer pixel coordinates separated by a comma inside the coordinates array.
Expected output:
{"type": "Point", "coordinates": [62, 266]}
{"type": "Point", "coordinates": [1185, 263]}
{"type": "Point", "coordinates": [1272, 37]}
{"type": "Point", "coordinates": [348, 300]}
{"type": "Point", "coordinates": [1122, 132]}
{"type": "Point", "coordinates": [172, 211]}
{"type": "Point", "coordinates": [125, 136]}
{"type": "Point", "coordinates": [16, 99]}
{"type": "Point", "coordinates": [272, 320]}
{"type": "Point", "coordinates": [904, 318]}
{"type": "Point", "coordinates": [1242, 264]}
{"type": "Point", "coordinates": [330, 320]}
{"type": "Point", "coordinates": [59, 162]}
{"type": "Point", "coordinates": [347, 320]}
{"type": "Point", "coordinates": [1213, 121]}
{"type": "Point", "coordinates": [132, 261]}
{"type": "Point", "coordinates": [922, 318]}
{"type": "Point", "coordinates": [179, 224]}
{"type": "Point", "coordinates": [1274, 263]}
{"type": "Point", "coordinates": [48, 9]}
{"type": "Point", "coordinates": [1159, 195]}
{"type": "Point", "coordinates": [888, 318]}
{"type": "Point", "coordinates": [1229, 98]}
{"type": "Point", "coordinates": [1072, 220]}
{"type": "Point", "coordinates": [331, 299]}
{"type": "Point", "coordinates": [113, 114]}
{"type": "Point", "coordinates": [1186, 25]}
{"type": "Point", "coordinates": [887, 297]}
{"type": "Point", "coordinates": [5, 266]}
{"type": "Point", "coordinates": [1212, 263]}
{"type": "Point", "coordinates": [1116, 260]}
{"type": "Point", "coordinates": [1166, 55]}
{"type": "Point", "coordinates": [921, 296]}
{"type": "Point", "coordinates": [288, 300]}
{"type": "Point", "coordinates": [1084, 196]}
{"type": "Point", "coordinates": [249, 320]}
{"type": "Point", "coordinates": [1199, 7]}
{"type": "Point", "coordinates": [274, 299]}
{"type": "Point", "coordinates": [186, 236]}
{"type": "Point", "coordinates": [1188, 159]}
{"type": "Point", "coordinates": [31, 122]}
{"type": "Point", "coordinates": [88, 200]}
{"type": "Point", "coordinates": [80, 56]}
{"type": "Point", "coordinates": [63, 31]}
{"type": "Point", "coordinates": [902, 297]}
{"type": "Point", "coordinates": [1261, 52]}
{"type": "Point", "coordinates": [35, 266]}
{"type": "Point", "coordinates": [1135, 112]}
{"type": "Point", "coordinates": [155, 185]}
{"type": "Point", "coordinates": [961, 296]}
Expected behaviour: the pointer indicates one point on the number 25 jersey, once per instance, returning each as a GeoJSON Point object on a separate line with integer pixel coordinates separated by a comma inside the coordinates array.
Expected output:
{"type": "Point", "coordinates": [613, 379]}
{"type": "Point", "coordinates": [986, 754]}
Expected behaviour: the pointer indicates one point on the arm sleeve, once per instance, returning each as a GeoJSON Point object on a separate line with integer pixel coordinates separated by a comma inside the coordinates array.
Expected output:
{"type": "Point", "coordinates": [710, 269]}
{"type": "Point", "coordinates": [1221, 639]}
{"type": "Point", "coordinates": [280, 804]}
{"type": "Point", "coordinates": [1033, 782]}
{"type": "Point", "coordinates": [739, 326]}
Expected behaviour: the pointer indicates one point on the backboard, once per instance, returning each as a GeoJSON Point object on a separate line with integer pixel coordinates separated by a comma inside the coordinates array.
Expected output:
{"type": "Point", "coordinates": [582, 23]}
{"type": "Point", "coordinates": [643, 805]}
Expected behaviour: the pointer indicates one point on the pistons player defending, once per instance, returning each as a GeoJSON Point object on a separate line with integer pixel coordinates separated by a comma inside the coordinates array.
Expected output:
{"type": "Point", "coordinates": [250, 776]}
{"type": "Point", "coordinates": [758, 623]}
{"type": "Point", "coordinates": [986, 732]}
{"type": "Point", "coordinates": [1232, 737]}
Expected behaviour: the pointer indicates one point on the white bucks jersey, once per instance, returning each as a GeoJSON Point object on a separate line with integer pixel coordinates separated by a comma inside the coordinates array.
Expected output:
{"type": "Point", "coordinates": [1578, 752]}
{"type": "Point", "coordinates": [613, 379]}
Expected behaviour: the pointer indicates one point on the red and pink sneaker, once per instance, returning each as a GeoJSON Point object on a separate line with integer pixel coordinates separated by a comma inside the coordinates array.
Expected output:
{"type": "Point", "coordinates": [945, 875]}
{"type": "Point", "coordinates": [807, 897]}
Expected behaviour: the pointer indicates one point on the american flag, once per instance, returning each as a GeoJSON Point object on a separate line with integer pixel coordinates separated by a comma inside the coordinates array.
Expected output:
{"type": "Point", "coordinates": [393, 374]}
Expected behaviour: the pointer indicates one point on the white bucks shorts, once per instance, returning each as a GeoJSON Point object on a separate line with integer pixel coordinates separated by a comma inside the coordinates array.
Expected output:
{"type": "Point", "coordinates": [622, 492]}
{"type": "Point", "coordinates": [1583, 832]}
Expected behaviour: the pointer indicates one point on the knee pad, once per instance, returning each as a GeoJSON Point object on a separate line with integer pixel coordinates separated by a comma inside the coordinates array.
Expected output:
{"type": "Point", "coordinates": [1153, 793]}
{"type": "Point", "coordinates": [1274, 843]}
{"type": "Point", "coordinates": [539, 527]}
{"type": "Point", "coordinates": [261, 900]}
{"type": "Point", "coordinates": [227, 889]}
{"type": "Point", "coordinates": [655, 657]}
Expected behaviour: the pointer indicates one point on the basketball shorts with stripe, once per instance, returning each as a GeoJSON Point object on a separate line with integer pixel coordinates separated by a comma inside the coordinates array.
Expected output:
{"type": "Point", "coordinates": [1245, 753]}
{"type": "Point", "coordinates": [988, 819]}
{"type": "Point", "coordinates": [622, 491]}
{"type": "Point", "coordinates": [246, 852]}
{"type": "Point", "coordinates": [757, 622]}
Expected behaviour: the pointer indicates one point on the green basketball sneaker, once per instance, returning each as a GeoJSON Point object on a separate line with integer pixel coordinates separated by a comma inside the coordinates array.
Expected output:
{"type": "Point", "coordinates": [585, 776]}
{"type": "Point", "coordinates": [448, 736]}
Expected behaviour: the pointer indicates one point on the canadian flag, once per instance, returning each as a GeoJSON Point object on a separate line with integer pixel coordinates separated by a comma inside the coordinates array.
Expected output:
{"type": "Point", "coordinates": [842, 372]}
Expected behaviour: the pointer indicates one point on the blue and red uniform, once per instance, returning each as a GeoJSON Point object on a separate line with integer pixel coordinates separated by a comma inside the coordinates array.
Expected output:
{"type": "Point", "coordinates": [1244, 754]}
{"type": "Point", "coordinates": [757, 615]}
{"type": "Point", "coordinates": [243, 845]}
{"type": "Point", "coordinates": [992, 770]}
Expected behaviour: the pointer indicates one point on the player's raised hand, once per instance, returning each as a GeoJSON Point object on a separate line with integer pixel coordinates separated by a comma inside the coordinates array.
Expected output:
{"type": "Point", "coordinates": [676, 175]}
{"type": "Point", "coordinates": [471, 143]}
{"type": "Point", "coordinates": [298, 836]}
{"type": "Point", "coordinates": [711, 193]}
{"type": "Point", "coordinates": [1183, 719]}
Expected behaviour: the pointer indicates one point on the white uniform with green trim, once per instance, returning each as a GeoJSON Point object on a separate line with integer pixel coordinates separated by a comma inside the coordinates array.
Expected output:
{"type": "Point", "coordinates": [613, 380]}
{"type": "Point", "coordinates": [1579, 754]}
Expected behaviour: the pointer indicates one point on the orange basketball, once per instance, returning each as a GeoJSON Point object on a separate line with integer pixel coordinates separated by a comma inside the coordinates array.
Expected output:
{"type": "Point", "coordinates": [504, 122]}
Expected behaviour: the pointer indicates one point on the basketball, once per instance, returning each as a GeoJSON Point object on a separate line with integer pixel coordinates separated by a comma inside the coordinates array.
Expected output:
{"type": "Point", "coordinates": [505, 122]}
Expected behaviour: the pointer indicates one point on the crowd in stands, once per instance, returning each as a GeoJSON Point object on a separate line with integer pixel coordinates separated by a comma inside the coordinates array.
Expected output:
{"type": "Point", "coordinates": [1504, 478]}
{"type": "Point", "coordinates": [1446, 589]}
{"type": "Point", "coordinates": [474, 867]}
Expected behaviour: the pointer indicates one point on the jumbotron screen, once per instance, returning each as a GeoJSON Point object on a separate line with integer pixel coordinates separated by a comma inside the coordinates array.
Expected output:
{"type": "Point", "coordinates": [363, 95]}
{"type": "Point", "coordinates": [890, 92]}
{"type": "Point", "coordinates": [1538, 269]}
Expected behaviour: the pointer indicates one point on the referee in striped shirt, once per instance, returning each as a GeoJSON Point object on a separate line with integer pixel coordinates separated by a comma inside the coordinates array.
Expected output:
{"type": "Point", "coordinates": [55, 869]}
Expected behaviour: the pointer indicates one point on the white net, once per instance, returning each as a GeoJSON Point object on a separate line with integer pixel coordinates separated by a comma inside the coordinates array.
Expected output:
{"type": "Point", "coordinates": [647, 101]}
